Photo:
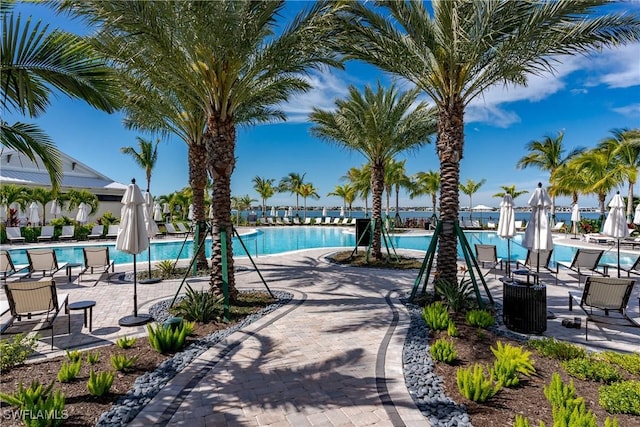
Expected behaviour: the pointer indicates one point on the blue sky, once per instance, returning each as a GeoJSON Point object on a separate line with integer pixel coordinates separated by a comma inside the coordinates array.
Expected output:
{"type": "Point", "coordinates": [586, 98]}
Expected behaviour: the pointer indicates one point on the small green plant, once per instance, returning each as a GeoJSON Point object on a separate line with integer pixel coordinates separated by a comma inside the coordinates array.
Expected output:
{"type": "Point", "coordinates": [559, 350]}
{"type": "Point", "coordinates": [452, 331]}
{"type": "Point", "coordinates": [165, 338]}
{"type": "Point", "coordinates": [522, 421]}
{"type": "Point", "coordinates": [436, 316]}
{"type": "Point", "coordinates": [475, 385]}
{"type": "Point", "coordinates": [457, 297]}
{"type": "Point", "coordinates": [480, 318]}
{"type": "Point", "coordinates": [121, 362]}
{"type": "Point", "coordinates": [621, 398]}
{"type": "Point", "coordinates": [99, 383]}
{"type": "Point", "coordinates": [15, 350]}
{"type": "Point", "coordinates": [69, 371]}
{"type": "Point", "coordinates": [166, 268]}
{"type": "Point", "coordinates": [125, 342]}
{"type": "Point", "coordinates": [568, 408]}
{"type": "Point", "coordinates": [628, 362]}
{"type": "Point", "coordinates": [200, 306]}
{"type": "Point", "coordinates": [443, 351]}
{"type": "Point", "coordinates": [591, 368]}
{"type": "Point", "coordinates": [611, 422]}
{"type": "Point", "coordinates": [481, 334]}
{"type": "Point", "coordinates": [74, 355]}
{"type": "Point", "coordinates": [36, 401]}
{"type": "Point", "coordinates": [510, 363]}
{"type": "Point", "coordinates": [93, 358]}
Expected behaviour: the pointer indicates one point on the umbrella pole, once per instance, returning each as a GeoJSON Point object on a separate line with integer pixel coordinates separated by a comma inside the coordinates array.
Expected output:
{"type": "Point", "coordinates": [135, 288]}
{"type": "Point", "coordinates": [135, 320]}
{"type": "Point", "coordinates": [508, 257]}
{"type": "Point", "coordinates": [618, 258]}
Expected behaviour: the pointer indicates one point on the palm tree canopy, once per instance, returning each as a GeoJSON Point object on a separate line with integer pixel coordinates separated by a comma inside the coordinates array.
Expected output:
{"type": "Point", "coordinates": [547, 154]}
{"type": "Point", "coordinates": [146, 158]}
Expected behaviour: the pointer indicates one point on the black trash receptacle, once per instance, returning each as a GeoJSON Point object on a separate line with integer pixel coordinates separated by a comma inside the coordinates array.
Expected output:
{"type": "Point", "coordinates": [524, 307]}
{"type": "Point", "coordinates": [363, 232]}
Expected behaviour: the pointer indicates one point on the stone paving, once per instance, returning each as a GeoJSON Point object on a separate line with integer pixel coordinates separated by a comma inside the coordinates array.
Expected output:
{"type": "Point", "coordinates": [332, 356]}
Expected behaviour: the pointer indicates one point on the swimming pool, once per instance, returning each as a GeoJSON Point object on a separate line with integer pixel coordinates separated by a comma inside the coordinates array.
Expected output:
{"type": "Point", "coordinates": [267, 241]}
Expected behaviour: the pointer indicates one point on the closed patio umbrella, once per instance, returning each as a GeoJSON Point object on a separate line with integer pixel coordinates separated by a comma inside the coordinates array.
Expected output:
{"type": "Point", "coordinates": [636, 216]}
{"type": "Point", "coordinates": [324, 211]}
{"type": "Point", "coordinates": [616, 223]}
{"type": "Point", "coordinates": [507, 226]}
{"type": "Point", "coordinates": [34, 215]}
{"type": "Point", "coordinates": [152, 230]}
{"type": "Point", "coordinates": [166, 211]}
{"type": "Point", "coordinates": [55, 208]}
{"type": "Point", "coordinates": [133, 239]}
{"type": "Point", "coordinates": [83, 213]}
{"type": "Point", "coordinates": [342, 211]}
{"type": "Point", "coordinates": [273, 211]}
{"type": "Point", "coordinates": [575, 218]}
{"type": "Point", "coordinates": [190, 215]}
{"type": "Point", "coordinates": [537, 235]}
{"type": "Point", "coordinates": [290, 211]}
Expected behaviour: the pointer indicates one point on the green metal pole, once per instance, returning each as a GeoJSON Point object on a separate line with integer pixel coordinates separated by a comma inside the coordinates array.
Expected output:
{"type": "Point", "coordinates": [196, 248]}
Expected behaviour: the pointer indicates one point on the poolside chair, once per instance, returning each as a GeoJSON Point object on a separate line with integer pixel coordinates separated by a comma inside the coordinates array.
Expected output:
{"type": "Point", "coordinates": [336, 221]}
{"type": "Point", "coordinates": [96, 232]}
{"type": "Point", "coordinates": [13, 234]}
{"type": "Point", "coordinates": [307, 221]}
{"type": "Point", "coordinates": [491, 225]}
{"type": "Point", "coordinates": [520, 226]}
{"type": "Point", "coordinates": [606, 294]}
{"type": "Point", "coordinates": [286, 220]}
{"type": "Point", "coordinates": [279, 221]}
{"type": "Point", "coordinates": [628, 268]}
{"type": "Point", "coordinates": [8, 268]}
{"type": "Point", "coordinates": [68, 232]}
{"type": "Point", "coordinates": [183, 228]}
{"type": "Point", "coordinates": [296, 221]}
{"type": "Point", "coordinates": [96, 260]}
{"type": "Point", "coordinates": [558, 227]}
{"type": "Point", "coordinates": [46, 233]}
{"type": "Point", "coordinates": [599, 238]}
{"type": "Point", "coordinates": [39, 299]}
{"type": "Point", "coordinates": [583, 260]}
{"type": "Point", "coordinates": [270, 221]}
{"type": "Point", "coordinates": [112, 231]}
{"type": "Point", "coordinates": [171, 230]}
{"type": "Point", "coordinates": [43, 261]}
{"type": "Point", "coordinates": [531, 262]}
{"type": "Point", "coordinates": [488, 254]}
{"type": "Point", "coordinates": [630, 241]}
{"type": "Point", "coordinates": [327, 221]}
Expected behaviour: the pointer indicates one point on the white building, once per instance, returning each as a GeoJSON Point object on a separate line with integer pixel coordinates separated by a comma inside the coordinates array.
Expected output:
{"type": "Point", "coordinates": [17, 169]}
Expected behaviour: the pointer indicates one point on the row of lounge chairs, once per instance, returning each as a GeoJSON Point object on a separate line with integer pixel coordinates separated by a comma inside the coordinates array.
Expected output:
{"type": "Point", "coordinates": [308, 221]}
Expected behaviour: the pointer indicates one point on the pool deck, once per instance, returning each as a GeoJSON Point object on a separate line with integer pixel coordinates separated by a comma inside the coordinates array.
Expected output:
{"type": "Point", "coordinates": [332, 356]}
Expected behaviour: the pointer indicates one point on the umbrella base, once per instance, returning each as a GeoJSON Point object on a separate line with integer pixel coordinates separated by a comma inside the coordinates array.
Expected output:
{"type": "Point", "coordinates": [138, 320]}
{"type": "Point", "coordinates": [149, 281]}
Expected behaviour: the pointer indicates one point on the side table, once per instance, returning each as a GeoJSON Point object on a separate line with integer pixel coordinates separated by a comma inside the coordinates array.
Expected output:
{"type": "Point", "coordinates": [69, 266]}
{"type": "Point", "coordinates": [84, 305]}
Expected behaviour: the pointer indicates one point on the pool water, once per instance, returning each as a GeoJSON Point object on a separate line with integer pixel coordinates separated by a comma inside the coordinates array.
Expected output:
{"type": "Point", "coordinates": [267, 241]}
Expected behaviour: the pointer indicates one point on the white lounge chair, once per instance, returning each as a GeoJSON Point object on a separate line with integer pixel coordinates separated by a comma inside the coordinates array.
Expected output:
{"type": "Point", "coordinates": [296, 221]}
{"type": "Point", "coordinates": [270, 221]}
{"type": "Point", "coordinates": [558, 227]}
{"type": "Point", "coordinates": [13, 234]}
{"type": "Point", "coordinates": [286, 220]}
{"type": "Point", "coordinates": [491, 225]}
{"type": "Point", "coordinates": [279, 221]}
{"type": "Point", "coordinates": [183, 228]}
{"type": "Point", "coordinates": [112, 231]}
{"type": "Point", "coordinates": [336, 221]}
{"type": "Point", "coordinates": [68, 232]}
{"type": "Point", "coordinates": [46, 233]}
{"type": "Point", "coordinates": [307, 221]}
{"type": "Point", "coordinates": [327, 221]}
{"type": "Point", "coordinates": [520, 226]}
{"type": "Point", "coordinates": [96, 232]}
{"type": "Point", "coordinates": [171, 230]}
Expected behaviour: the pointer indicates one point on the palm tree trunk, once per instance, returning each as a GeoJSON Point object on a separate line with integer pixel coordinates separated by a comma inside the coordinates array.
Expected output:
{"type": "Point", "coordinates": [398, 220]}
{"type": "Point", "coordinates": [220, 140]}
{"type": "Point", "coordinates": [377, 188]}
{"type": "Point", "coordinates": [449, 148]}
{"type": "Point", "coordinates": [630, 210]}
{"type": "Point", "coordinates": [197, 154]}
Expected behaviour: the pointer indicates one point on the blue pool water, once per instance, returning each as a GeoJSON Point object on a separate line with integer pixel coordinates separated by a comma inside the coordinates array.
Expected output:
{"type": "Point", "coordinates": [284, 239]}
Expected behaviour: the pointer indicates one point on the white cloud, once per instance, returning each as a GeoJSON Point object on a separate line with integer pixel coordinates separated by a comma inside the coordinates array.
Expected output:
{"type": "Point", "coordinates": [615, 68]}
{"type": "Point", "coordinates": [631, 111]}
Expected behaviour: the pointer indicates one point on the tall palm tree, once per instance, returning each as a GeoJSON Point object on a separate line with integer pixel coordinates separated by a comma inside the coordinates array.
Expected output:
{"type": "Point", "coordinates": [264, 187]}
{"type": "Point", "coordinates": [241, 203]}
{"type": "Point", "coordinates": [308, 190]}
{"type": "Point", "coordinates": [10, 194]}
{"type": "Point", "coordinates": [347, 193]}
{"type": "Point", "coordinates": [43, 196]}
{"type": "Point", "coordinates": [75, 197]}
{"type": "Point", "coordinates": [426, 183]}
{"type": "Point", "coordinates": [395, 179]}
{"type": "Point", "coordinates": [547, 154]}
{"type": "Point", "coordinates": [511, 190]}
{"type": "Point", "coordinates": [360, 178]}
{"type": "Point", "coordinates": [34, 64]}
{"type": "Point", "coordinates": [461, 49]}
{"type": "Point", "coordinates": [378, 124]}
{"type": "Point", "coordinates": [146, 158]}
{"type": "Point", "coordinates": [291, 184]}
{"type": "Point", "coordinates": [470, 188]}
{"type": "Point", "coordinates": [625, 145]}
{"type": "Point", "coordinates": [234, 62]}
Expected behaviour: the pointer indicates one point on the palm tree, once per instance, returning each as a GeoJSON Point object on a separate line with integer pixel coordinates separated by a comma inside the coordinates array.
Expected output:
{"type": "Point", "coordinates": [264, 187]}
{"type": "Point", "coordinates": [10, 194]}
{"type": "Point", "coordinates": [75, 197]}
{"type": "Point", "coordinates": [43, 196]}
{"type": "Point", "coordinates": [455, 53]}
{"type": "Point", "coordinates": [233, 62]}
{"type": "Point", "coordinates": [625, 145]}
{"type": "Point", "coordinates": [291, 184]}
{"type": "Point", "coordinates": [426, 183]}
{"type": "Point", "coordinates": [347, 193]}
{"type": "Point", "coordinates": [378, 124]}
{"type": "Point", "coordinates": [308, 190]}
{"type": "Point", "coordinates": [396, 178]}
{"type": "Point", "coordinates": [34, 62]}
{"type": "Point", "coordinates": [547, 155]}
{"type": "Point", "coordinates": [360, 178]}
{"type": "Point", "coordinates": [470, 188]}
{"type": "Point", "coordinates": [146, 158]}
{"type": "Point", "coordinates": [241, 203]}
{"type": "Point", "coordinates": [511, 190]}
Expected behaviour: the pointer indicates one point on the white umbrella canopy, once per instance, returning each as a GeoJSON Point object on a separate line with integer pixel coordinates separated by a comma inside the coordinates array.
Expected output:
{"type": "Point", "coordinates": [636, 216]}
{"type": "Point", "coordinates": [324, 211]}
{"type": "Point", "coordinates": [537, 235]}
{"type": "Point", "coordinates": [190, 215]}
{"type": "Point", "coordinates": [575, 218]}
{"type": "Point", "coordinates": [149, 220]}
{"type": "Point", "coordinates": [157, 212]}
{"type": "Point", "coordinates": [507, 225]}
{"type": "Point", "coordinates": [55, 208]}
{"type": "Point", "coordinates": [290, 211]}
{"type": "Point", "coordinates": [342, 211]}
{"type": "Point", "coordinates": [616, 223]}
{"type": "Point", "coordinates": [34, 215]}
{"type": "Point", "coordinates": [83, 213]}
{"type": "Point", "coordinates": [273, 211]}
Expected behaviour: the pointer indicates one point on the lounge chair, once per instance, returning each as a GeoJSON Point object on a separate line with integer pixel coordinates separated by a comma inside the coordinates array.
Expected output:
{"type": "Point", "coordinates": [112, 231]}
{"type": "Point", "coordinates": [68, 232]}
{"type": "Point", "coordinates": [96, 260]}
{"type": "Point", "coordinates": [599, 238]}
{"type": "Point", "coordinates": [520, 226]}
{"type": "Point", "coordinates": [96, 232]}
{"type": "Point", "coordinates": [279, 221]}
{"type": "Point", "coordinates": [43, 261]}
{"type": "Point", "coordinates": [531, 262]}
{"type": "Point", "coordinates": [630, 241]}
{"type": "Point", "coordinates": [286, 220]}
{"type": "Point", "coordinates": [606, 294]}
{"type": "Point", "coordinates": [491, 225]}
{"type": "Point", "coordinates": [8, 268]}
{"type": "Point", "coordinates": [13, 235]}
{"type": "Point", "coordinates": [183, 228]}
{"type": "Point", "coordinates": [583, 260]}
{"type": "Point", "coordinates": [558, 227]}
{"type": "Point", "coordinates": [336, 221]}
{"type": "Point", "coordinates": [327, 221]}
{"type": "Point", "coordinates": [40, 299]}
{"type": "Point", "coordinates": [488, 254]}
{"type": "Point", "coordinates": [307, 221]}
{"type": "Point", "coordinates": [628, 268]}
{"type": "Point", "coordinates": [296, 221]}
{"type": "Point", "coordinates": [270, 221]}
{"type": "Point", "coordinates": [171, 230]}
{"type": "Point", "coordinates": [46, 233]}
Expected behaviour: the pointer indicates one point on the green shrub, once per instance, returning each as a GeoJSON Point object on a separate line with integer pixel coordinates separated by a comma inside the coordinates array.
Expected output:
{"type": "Point", "coordinates": [568, 408]}
{"type": "Point", "coordinates": [452, 331]}
{"type": "Point", "coordinates": [166, 268]}
{"type": "Point", "coordinates": [99, 383]}
{"type": "Point", "coordinates": [457, 297]}
{"type": "Point", "coordinates": [522, 421]}
{"type": "Point", "coordinates": [74, 355]}
{"type": "Point", "coordinates": [621, 398]}
{"type": "Point", "coordinates": [436, 316]}
{"type": "Point", "coordinates": [559, 350]}
{"type": "Point", "coordinates": [200, 306]}
{"type": "Point", "coordinates": [165, 339]}
{"type": "Point", "coordinates": [475, 385]}
{"type": "Point", "coordinates": [125, 342]}
{"type": "Point", "coordinates": [35, 401]}
{"type": "Point", "coordinates": [121, 362]}
{"type": "Point", "coordinates": [69, 371]}
{"type": "Point", "coordinates": [611, 422]}
{"type": "Point", "coordinates": [93, 358]}
{"type": "Point", "coordinates": [15, 350]}
{"type": "Point", "coordinates": [591, 368]}
{"type": "Point", "coordinates": [628, 362]}
{"type": "Point", "coordinates": [480, 318]}
{"type": "Point", "coordinates": [443, 351]}
{"type": "Point", "coordinates": [510, 363]}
